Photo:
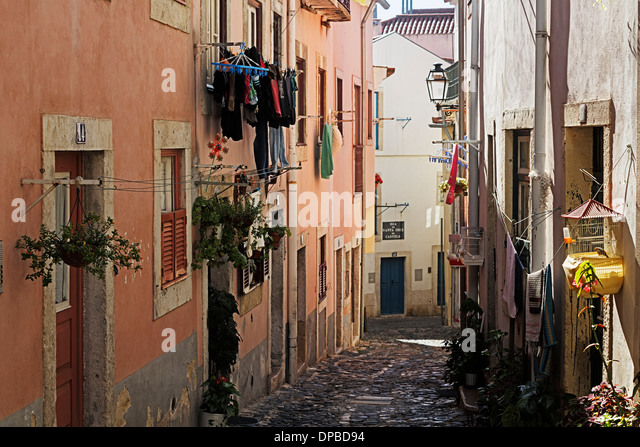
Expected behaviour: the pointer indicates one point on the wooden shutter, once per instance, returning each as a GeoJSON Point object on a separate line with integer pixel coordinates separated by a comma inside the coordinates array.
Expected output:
{"type": "Point", "coordinates": [266, 266]}
{"type": "Point", "coordinates": [322, 281]}
{"type": "Point", "coordinates": [168, 254]}
{"type": "Point", "coordinates": [246, 280]}
{"type": "Point", "coordinates": [180, 245]}
{"type": "Point", "coordinates": [357, 169]}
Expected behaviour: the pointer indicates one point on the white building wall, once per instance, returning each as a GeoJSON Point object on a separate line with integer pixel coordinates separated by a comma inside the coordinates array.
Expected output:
{"type": "Point", "coordinates": [408, 175]}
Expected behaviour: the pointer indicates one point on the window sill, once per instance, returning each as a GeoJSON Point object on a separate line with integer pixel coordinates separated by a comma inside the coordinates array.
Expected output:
{"type": "Point", "coordinates": [174, 282]}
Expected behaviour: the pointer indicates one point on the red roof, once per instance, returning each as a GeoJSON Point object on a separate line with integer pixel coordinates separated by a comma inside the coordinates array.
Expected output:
{"type": "Point", "coordinates": [422, 21]}
{"type": "Point", "coordinates": [591, 209]}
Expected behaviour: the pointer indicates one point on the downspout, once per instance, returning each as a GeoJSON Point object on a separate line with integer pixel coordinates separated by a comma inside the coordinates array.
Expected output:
{"type": "Point", "coordinates": [473, 154]}
{"type": "Point", "coordinates": [363, 130]}
{"type": "Point", "coordinates": [292, 205]}
{"type": "Point", "coordinates": [537, 175]}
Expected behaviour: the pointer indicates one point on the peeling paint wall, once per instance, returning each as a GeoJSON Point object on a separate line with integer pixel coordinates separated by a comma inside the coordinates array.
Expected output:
{"type": "Point", "coordinates": [164, 393]}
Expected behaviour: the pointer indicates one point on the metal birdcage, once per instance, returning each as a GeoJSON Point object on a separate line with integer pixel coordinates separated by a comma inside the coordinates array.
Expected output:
{"type": "Point", "coordinates": [591, 236]}
{"type": "Point", "coordinates": [592, 227]}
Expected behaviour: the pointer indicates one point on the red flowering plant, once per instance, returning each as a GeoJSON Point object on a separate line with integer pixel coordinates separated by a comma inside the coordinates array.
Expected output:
{"type": "Point", "coordinates": [219, 397]}
{"type": "Point", "coordinates": [90, 244]}
{"type": "Point", "coordinates": [217, 148]}
{"type": "Point", "coordinates": [378, 180]}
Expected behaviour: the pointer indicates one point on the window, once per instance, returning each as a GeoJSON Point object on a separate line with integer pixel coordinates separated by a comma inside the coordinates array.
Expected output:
{"type": "Point", "coordinates": [277, 39]}
{"type": "Point", "coordinates": [357, 102]}
{"type": "Point", "coordinates": [322, 270]}
{"type": "Point", "coordinates": [322, 95]}
{"type": "Point", "coordinates": [521, 185]}
{"type": "Point", "coordinates": [377, 116]}
{"type": "Point", "coordinates": [256, 272]}
{"type": "Point", "coordinates": [174, 220]}
{"type": "Point", "coordinates": [254, 25]}
{"type": "Point", "coordinates": [211, 34]}
{"type": "Point", "coordinates": [339, 103]}
{"type": "Point", "coordinates": [369, 114]}
{"type": "Point", "coordinates": [357, 150]}
{"type": "Point", "coordinates": [301, 100]}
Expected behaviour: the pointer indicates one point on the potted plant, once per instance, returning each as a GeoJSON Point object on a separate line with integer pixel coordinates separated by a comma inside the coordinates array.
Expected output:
{"type": "Point", "coordinates": [461, 186]}
{"type": "Point", "coordinates": [219, 395]}
{"type": "Point", "coordinates": [273, 235]}
{"type": "Point", "coordinates": [218, 402]}
{"type": "Point", "coordinates": [91, 244]}
{"type": "Point", "coordinates": [224, 226]}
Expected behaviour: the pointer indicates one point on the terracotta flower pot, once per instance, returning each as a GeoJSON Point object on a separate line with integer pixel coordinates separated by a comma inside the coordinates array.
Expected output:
{"type": "Point", "coordinates": [275, 240]}
{"type": "Point", "coordinates": [459, 189]}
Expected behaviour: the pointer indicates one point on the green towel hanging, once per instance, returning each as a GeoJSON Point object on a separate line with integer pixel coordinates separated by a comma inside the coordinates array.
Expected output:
{"type": "Point", "coordinates": [326, 166]}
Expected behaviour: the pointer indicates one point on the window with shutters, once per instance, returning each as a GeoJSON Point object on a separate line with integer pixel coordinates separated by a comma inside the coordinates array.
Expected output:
{"type": "Point", "coordinates": [256, 272]}
{"type": "Point", "coordinates": [174, 220]}
{"type": "Point", "coordinates": [322, 270]}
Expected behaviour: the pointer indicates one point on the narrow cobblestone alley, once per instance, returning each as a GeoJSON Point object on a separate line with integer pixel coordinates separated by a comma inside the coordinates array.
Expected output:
{"type": "Point", "coordinates": [385, 381]}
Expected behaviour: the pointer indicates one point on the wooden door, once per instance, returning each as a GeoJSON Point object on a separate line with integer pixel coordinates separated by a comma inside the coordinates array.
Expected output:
{"type": "Point", "coordinates": [68, 303]}
{"type": "Point", "coordinates": [392, 286]}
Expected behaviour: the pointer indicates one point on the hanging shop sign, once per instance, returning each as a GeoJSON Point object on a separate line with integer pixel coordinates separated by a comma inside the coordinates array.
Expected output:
{"type": "Point", "coordinates": [392, 231]}
{"type": "Point", "coordinates": [444, 155]}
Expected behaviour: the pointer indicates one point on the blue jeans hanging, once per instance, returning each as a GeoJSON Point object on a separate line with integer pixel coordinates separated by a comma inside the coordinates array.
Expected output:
{"type": "Point", "coordinates": [276, 137]}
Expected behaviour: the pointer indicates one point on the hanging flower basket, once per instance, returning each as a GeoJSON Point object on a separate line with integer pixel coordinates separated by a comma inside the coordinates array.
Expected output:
{"type": "Point", "coordinates": [461, 187]}
{"type": "Point", "coordinates": [378, 180]}
{"type": "Point", "coordinates": [91, 245]}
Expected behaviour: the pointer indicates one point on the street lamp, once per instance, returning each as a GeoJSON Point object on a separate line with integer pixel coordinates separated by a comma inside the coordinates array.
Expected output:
{"type": "Point", "coordinates": [437, 84]}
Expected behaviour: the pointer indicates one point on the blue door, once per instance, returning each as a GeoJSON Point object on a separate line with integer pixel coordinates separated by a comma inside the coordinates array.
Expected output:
{"type": "Point", "coordinates": [392, 286]}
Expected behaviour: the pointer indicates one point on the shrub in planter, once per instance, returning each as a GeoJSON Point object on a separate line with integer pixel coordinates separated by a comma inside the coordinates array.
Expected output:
{"type": "Point", "coordinates": [223, 227]}
{"type": "Point", "coordinates": [273, 235]}
{"type": "Point", "coordinates": [605, 406]}
{"type": "Point", "coordinates": [224, 341]}
{"type": "Point", "coordinates": [91, 244]}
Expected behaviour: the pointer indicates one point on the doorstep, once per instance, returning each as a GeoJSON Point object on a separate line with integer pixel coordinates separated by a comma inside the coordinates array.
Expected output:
{"type": "Point", "coordinates": [469, 399]}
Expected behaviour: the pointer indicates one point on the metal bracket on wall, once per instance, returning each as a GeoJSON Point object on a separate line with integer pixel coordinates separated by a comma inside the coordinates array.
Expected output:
{"type": "Point", "coordinates": [386, 207]}
{"type": "Point", "coordinates": [78, 182]}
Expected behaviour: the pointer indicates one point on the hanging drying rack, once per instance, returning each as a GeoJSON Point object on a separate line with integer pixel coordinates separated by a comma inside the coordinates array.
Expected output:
{"type": "Point", "coordinates": [240, 64]}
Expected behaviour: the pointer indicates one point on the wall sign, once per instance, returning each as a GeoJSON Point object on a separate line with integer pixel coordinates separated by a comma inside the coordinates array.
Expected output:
{"type": "Point", "coordinates": [392, 231]}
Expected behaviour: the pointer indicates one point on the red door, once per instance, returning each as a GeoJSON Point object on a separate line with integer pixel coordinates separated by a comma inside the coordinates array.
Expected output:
{"type": "Point", "coordinates": [68, 303]}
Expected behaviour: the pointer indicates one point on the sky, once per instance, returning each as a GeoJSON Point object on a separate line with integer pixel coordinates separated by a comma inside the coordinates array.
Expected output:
{"type": "Point", "coordinates": [396, 7]}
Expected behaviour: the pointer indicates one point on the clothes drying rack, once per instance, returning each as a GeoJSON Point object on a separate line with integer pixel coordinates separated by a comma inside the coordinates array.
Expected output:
{"type": "Point", "coordinates": [240, 64]}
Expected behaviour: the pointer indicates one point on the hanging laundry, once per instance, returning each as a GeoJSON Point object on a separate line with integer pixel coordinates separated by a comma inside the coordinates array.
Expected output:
{"type": "Point", "coordinates": [337, 139]}
{"type": "Point", "coordinates": [548, 325]}
{"type": "Point", "coordinates": [261, 147]}
{"type": "Point", "coordinates": [508, 292]}
{"type": "Point", "coordinates": [326, 168]}
{"type": "Point", "coordinates": [276, 140]}
{"type": "Point", "coordinates": [533, 307]}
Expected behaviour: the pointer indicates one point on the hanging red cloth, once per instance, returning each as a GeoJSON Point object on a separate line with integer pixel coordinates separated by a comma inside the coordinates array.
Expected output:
{"type": "Point", "coordinates": [453, 177]}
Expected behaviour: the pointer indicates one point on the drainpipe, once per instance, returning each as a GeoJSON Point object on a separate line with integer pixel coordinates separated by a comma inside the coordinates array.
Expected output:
{"type": "Point", "coordinates": [292, 206]}
{"type": "Point", "coordinates": [537, 175]}
{"type": "Point", "coordinates": [473, 154]}
{"type": "Point", "coordinates": [363, 129]}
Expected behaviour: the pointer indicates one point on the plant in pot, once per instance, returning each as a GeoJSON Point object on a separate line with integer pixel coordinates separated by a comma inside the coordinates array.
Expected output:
{"type": "Point", "coordinates": [224, 229]}
{"type": "Point", "coordinates": [273, 235]}
{"type": "Point", "coordinates": [91, 244]}
{"type": "Point", "coordinates": [219, 395]}
{"type": "Point", "coordinates": [461, 186]}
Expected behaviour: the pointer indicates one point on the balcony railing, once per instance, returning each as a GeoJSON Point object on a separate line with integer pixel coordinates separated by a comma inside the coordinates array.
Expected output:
{"type": "Point", "coordinates": [331, 10]}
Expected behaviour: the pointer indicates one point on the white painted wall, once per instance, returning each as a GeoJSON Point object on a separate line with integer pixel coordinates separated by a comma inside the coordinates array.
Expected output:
{"type": "Point", "coordinates": [403, 164]}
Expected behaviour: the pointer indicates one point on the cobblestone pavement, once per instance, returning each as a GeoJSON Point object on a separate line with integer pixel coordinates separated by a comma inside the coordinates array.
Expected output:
{"type": "Point", "coordinates": [382, 382]}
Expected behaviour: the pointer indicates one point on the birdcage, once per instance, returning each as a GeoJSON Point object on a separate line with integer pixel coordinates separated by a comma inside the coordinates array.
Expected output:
{"type": "Point", "coordinates": [590, 235]}
{"type": "Point", "coordinates": [473, 245]}
{"type": "Point", "coordinates": [591, 228]}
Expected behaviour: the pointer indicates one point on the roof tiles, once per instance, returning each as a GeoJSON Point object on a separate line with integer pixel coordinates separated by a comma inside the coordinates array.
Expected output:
{"type": "Point", "coordinates": [422, 21]}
